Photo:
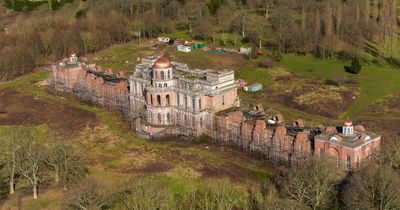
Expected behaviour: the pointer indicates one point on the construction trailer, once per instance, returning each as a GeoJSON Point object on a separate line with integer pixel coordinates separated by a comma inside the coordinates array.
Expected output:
{"type": "Point", "coordinates": [184, 48]}
{"type": "Point", "coordinates": [255, 87]}
{"type": "Point", "coordinates": [245, 50]}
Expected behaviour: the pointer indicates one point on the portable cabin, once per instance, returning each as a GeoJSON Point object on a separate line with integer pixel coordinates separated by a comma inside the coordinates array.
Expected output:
{"type": "Point", "coordinates": [245, 50]}
{"type": "Point", "coordinates": [184, 48]}
{"type": "Point", "coordinates": [253, 87]}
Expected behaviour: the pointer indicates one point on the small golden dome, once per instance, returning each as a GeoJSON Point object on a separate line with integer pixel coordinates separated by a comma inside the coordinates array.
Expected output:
{"type": "Point", "coordinates": [348, 122]}
{"type": "Point", "coordinates": [162, 63]}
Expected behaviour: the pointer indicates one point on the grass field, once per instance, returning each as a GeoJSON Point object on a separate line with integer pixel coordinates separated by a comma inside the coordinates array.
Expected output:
{"type": "Point", "coordinates": [374, 81]}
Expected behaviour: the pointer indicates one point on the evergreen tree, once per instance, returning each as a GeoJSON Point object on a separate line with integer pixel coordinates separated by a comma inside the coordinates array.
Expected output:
{"type": "Point", "coordinates": [355, 66]}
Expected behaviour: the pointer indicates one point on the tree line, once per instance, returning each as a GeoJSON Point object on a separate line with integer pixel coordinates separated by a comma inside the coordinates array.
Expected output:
{"type": "Point", "coordinates": [29, 157]}
{"type": "Point", "coordinates": [314, 184]}
{"type": "Point", "coordinates": [322, 28]}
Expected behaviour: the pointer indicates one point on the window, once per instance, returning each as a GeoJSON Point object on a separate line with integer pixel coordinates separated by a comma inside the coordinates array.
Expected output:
{"type": "Point", "coordinates": [321, 152]}
{"type": "Point", "coordinates": [223, 100]}
{"type": "Point", "coordinates": [177, 118]}
{"type": "Point", "coordinates": [160, 85]}
{"type": "Point", "coordinates": [168, 117]}
{"type": "Point", "coordinates": [300, 151]}
{"type": "Point", "coordinates": [185, 120]}
{"type": "Point", "coordinates": [193, 122]}
{"type": "Point", "coordinates": [348, 163]}
{"type": "Point", "coordinates": [193, 103]}
{"type": "Point", "coordinates": [199, 103]}
{"type": "Point", "coordinates": [151, 99]}
{"type": "Point", "coordinates": [158, 100]}
{"type": "Point", "coordinates": [135, 87]}
{"type": "Point", "coordinates": [168, 101]}
{"type": "Point", "coordinates": [159, 118]}
{"type": "Point", "coordinates": [358, 161]}
{"type": "Point", "coordinates": [177, 100]}
{"type": "Point", "coordinates": [169, 74]}
{"type": "Point", "coordinates": [186, 101]}
{"type": "Point", "coordinates": [201, 122]}
{"type": "Point", "coordinates": [165, 84]}
{"type": "Point", "coordinates": [162, 75]}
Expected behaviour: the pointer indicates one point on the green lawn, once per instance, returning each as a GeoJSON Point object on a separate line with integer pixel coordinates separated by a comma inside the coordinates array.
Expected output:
{"type": "Point", "coordinates": [375, 81]}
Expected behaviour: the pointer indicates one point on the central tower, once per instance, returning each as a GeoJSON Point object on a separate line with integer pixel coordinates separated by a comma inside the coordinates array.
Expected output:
{"type": "Point", "coordinates": [160, 98]}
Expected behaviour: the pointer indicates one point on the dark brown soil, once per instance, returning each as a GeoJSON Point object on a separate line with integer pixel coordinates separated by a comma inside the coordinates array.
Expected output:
{"type": "Point", "coordinates": [18, 108]}
{"type": "Point", "coordinates": [152, 168]}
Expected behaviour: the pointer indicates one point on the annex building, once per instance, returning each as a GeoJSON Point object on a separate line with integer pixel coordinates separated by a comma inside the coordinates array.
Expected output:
{"type": "Point", "coordinates": [164, 98]}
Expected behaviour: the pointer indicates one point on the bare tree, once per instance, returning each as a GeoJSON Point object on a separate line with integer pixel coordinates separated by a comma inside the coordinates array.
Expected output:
{"type": "Point", "coordinates": [373, 187]}
{"type": "Point", "coordinates": [88, 195]}
{"type": "Point", "coordinates": [312, 182]}
{"type": "Point", "coordinates": [64, 161]}
{"type": "Point", "coordinates": [30, 160]}
{"type": "Point", "coordinates": [11, 142]}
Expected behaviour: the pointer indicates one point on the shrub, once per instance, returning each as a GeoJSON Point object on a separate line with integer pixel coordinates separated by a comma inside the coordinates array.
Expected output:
{"type": "Point", "coordinates": [355, 67]}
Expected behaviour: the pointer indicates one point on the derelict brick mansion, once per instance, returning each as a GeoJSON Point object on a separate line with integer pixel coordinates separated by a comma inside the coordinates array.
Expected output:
{"type": "Point", "coordinates": [163, 98]}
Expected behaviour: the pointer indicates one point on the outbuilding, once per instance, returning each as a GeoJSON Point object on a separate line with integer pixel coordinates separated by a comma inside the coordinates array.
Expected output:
{"type": "Point", "coordinates": [184, 48]}
{"type": "Point", "coordinates": [163, 39]}
{"type": "Point", "coordinates": [255, 87]}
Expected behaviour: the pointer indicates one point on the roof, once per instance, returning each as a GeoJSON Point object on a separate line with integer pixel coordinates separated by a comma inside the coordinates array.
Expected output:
{"type": "Point", "coordinates": [162, 63]}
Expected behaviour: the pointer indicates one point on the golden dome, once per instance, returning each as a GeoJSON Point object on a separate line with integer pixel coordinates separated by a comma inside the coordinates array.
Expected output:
{"type": "Point", "coordinates": [162, 63]}
{"type": "Point", "coordinates": [348, 122]}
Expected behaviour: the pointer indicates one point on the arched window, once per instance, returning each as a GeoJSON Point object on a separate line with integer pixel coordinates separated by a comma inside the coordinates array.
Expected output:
{"type": "Point", "coordinates": [160, 85]}
{"type": "Point", "coordinates": [300, 151]}
{"type": "Point", "coordinates": [158, 100]}
{"type": "Point", "coordinates": [151, 99]}
{"type": "Point", "coordinates": [159, 118]}
{"type": "Point", "coordinates": [165, 84]}
{"type": "Point", "coordinates": [348, 163]}
{"type": "Point", "coordinates": [199, 103]}
{"type": "Point", "coordinates": [168, 101]}
{"type": "Point", "coordinates": [162, 75]}
{"type": "Point", "coordinates": [193, 103]}
{"type": "Point", "coordinates": [169, 74]}
{"type": "Point", "coordinates": [168, 117]}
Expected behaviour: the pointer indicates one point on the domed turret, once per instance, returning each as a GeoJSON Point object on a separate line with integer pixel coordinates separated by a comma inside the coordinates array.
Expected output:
{"type": "Point", "coordinates": [348, 123]}
{"type": "Point", "coordinates": [162, 63]}
{"type": "Point", "coordinates": [162, 72]}
{"type": "Point", "coordinates": [348, 127]}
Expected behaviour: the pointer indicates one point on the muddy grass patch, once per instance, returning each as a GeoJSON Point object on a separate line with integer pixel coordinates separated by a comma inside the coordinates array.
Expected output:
{"type": "Point", "coordinates": [22, 109]}
{"type": "Point", "coordinates": [151, 168]}
{"type": "Point", "coordinates": [310, 95]}
{"type": "Point", "coordinates": [388, 104]}
{"type": "Point", "coordinates": [230, 170]}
